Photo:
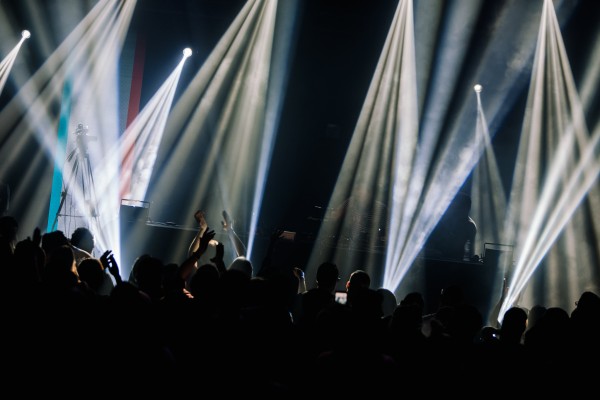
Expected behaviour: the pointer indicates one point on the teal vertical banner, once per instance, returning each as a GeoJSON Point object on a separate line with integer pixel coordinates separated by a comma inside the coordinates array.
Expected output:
{"type": "Point", "coordinates": [59, 160]}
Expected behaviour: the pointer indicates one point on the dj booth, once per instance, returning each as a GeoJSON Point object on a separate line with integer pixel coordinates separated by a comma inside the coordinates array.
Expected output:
{"type": "Point", "coordinates": [480, 282]}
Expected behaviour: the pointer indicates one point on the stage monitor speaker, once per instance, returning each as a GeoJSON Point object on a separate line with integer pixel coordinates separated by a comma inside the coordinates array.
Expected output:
{"type": "Point", "coordinates": [498, 255]}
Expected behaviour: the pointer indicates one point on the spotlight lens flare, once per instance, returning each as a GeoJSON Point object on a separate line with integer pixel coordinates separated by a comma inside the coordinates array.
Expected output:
{"type": "Point", "coordinates": [25, 34]}
{"type": "Point", "coordinates": [477, 88]}
{"type": "Point", "coordinates": [187, 52]}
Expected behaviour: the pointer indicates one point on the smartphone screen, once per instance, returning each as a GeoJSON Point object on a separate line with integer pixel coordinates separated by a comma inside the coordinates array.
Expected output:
{"type": "Point", "coordinates": [340, 297]}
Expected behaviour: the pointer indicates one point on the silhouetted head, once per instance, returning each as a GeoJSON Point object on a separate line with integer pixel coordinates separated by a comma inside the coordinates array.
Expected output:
{"type": "Point", "coordinates": [587, 311]}
{"type": "Point", "coordinates": [60, 270]}
{"type": "Point", "coordinates": [414, 298]}
{"type": "Point", "coordinates": [357, 285]}
{"type": "Point", "coordinates": [53, 240]}
{"type": "Point", "coordinates": [242, 264]}
{"type": "Point", "coordinates": [83, 238]}
{"type": "Point", "coordinates": [462, 203]}
{"type": "Point", "coordinates": [588, 301]}
{"type": "Point", "coordinates": [389, 302]}
{"type": "Point", "coordinates": [204, 281]}
{"type": "Point", "coordinates": [513, 325]}
{"type": "Point", "coordinates": [358, 279]}
{"type": "Point", "coordinates": [328, 275]}
{"type": "Point", "coordinates": [534, 315]}
{"type": "Point", "coordinates": [90, 271]}
{"type": "Point", "coordinates": [147, 274]}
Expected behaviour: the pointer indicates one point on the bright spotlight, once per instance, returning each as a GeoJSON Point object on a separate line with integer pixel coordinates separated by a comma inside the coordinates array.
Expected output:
{"type": "Point", "coordinates": [25, 34]}
{"type": "Point", "coordinates": [187, 52]}
{"type": "Point", "coordinates": [477, 88]}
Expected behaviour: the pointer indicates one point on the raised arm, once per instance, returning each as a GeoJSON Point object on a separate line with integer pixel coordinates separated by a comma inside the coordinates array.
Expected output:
{"type": "Point", "coordinates": [218, 259]}
{"type": "Point", "coordinates": [298, 273]}
{"type": "Point", "coordinates": [108, 262]}
{"type": "Point", "coordinates": [202, 226]}
{"type": "Point", "coordinates": [189, 265]}
{"type": "Point", "coordinates": [238, 246]}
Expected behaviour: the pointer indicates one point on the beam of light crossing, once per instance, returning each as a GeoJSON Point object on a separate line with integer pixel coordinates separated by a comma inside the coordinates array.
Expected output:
{"type": "Point", "coordinates": [278, 79]}
{"type": "Point", "coordinates": [433, 183]}
{"type": "Point", "coordinates": [487, 193]}
{"type": "Point", "coordinates": [488, 201]}
{"type": "Point", "coordinates": [538, 216]}
{"type": "Point", "coordinates": [222, 115]}
{"type": "Point", "coordinates": [141, 140]}
{"type": "Point", "coordinates": [380, 154]}
{"type": "Point", "coordinates": [88, 53]}
{"type": "Point", "coordinates": [94, 74]}
{"type": "Point", "coordinates": [135, 150]}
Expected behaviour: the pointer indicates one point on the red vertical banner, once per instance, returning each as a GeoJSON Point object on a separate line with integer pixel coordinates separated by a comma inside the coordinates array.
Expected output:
{"type": "Point", "coordinates": [132, 112]}
{"type": "Point", "coordinates": [136, 81]}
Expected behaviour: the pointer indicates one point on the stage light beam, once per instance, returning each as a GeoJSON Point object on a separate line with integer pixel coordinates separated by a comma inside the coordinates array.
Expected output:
{"type": "Point", "coordinates": [7, 63]}
{"type": "Point", "coordinates": [557, 165]}
{"type": "Point", "coordinates": [223, 115]}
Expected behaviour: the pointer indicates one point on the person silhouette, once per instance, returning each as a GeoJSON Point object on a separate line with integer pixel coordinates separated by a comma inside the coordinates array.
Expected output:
{"type": "Point", "coordinates": [454, 236]}
{"type": "Point", "coordinates": [84, 242]}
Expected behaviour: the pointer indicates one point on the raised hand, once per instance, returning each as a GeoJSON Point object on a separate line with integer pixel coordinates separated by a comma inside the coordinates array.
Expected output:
{"type": "Point", "coordinates": [108, 262]}
{"type": "Point", "coordinates": [199, 217]}
{"type": "Point", "coordinates": [227, 222]}
{"type": "Point", "coordinates": [204, 241]}
{"type": "Point", "coordinates": [240, 249]}
{"type": "Point", "coordinates": [298, 273]}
